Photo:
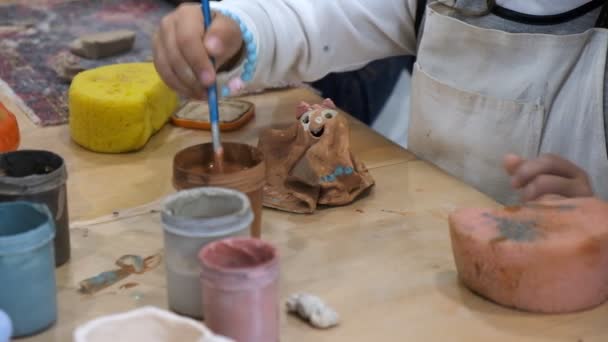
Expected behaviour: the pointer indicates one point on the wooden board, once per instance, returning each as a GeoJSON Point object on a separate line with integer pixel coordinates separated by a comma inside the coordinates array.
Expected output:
{"type": "Point", "coordinates": [384, 263]}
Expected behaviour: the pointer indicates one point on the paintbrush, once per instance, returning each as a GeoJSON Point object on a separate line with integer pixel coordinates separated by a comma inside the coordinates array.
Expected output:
{"type": "Point", "coordinates": [212, 98]}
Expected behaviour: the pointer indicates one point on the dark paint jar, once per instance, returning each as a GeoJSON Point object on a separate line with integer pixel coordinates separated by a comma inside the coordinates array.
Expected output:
{"type": "Point", "coordinates": [39, 177]}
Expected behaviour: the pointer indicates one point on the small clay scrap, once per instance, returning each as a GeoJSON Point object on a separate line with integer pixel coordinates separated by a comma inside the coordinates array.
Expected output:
{"type": "Point", "coordinates": [67, 66]}
{"type": "Point", "coordinates": [313, 310]}
{"type": "Point", "coordinates": [310, 162]}
{"type": "Point", "coordinates": [103, 44]}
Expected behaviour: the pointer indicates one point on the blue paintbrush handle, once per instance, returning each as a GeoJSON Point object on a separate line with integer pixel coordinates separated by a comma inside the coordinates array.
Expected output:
{"type": "Point", "coordinates": [212, 90]}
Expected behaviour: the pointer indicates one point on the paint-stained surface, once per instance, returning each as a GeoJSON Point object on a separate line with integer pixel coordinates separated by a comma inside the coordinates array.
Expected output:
{"type": "Point", "coordinates": [128, 286]}
{"type": "Point", "coordinates": [514, 229]}
{"type": "Point", "coordinates": [129, 264]}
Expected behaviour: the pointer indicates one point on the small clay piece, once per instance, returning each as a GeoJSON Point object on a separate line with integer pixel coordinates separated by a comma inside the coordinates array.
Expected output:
{"type": "Point", "coordinates": [549, 256]}
{"type": "Point", "coordinates": [233, 115]}
{"type": "Point", "coordinates": [313, 310]}
{"type": "Point", "coordinates": [67, 66]}
{"type": "Point", "coordinates": [310, 162]}
{"type": "Point", "coordinates": [103, 44]}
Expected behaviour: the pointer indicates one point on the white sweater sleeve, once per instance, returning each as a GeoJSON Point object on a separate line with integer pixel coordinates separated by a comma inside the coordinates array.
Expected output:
{"type": "Point", "coordinates": [303, 40]}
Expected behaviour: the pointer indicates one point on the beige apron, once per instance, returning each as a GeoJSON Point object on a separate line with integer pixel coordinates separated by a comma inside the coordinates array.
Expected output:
{"type": "Point", "coordinates": [479, 94]}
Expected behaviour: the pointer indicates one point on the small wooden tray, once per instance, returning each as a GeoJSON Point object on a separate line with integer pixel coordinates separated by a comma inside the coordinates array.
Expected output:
{"type": "Point", "coordinates": [234, 114]}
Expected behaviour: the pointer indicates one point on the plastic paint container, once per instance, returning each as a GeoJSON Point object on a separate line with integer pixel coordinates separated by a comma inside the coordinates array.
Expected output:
{"type": "Point", "coordinates": [191, 219]}
{"type": "Point", "coordinates": [245, 171]}
{"type": "Point", "coordinates": [240, 286]}
{"type": "Point", "coordinates": [40, 177]}
{"type": "Point", "coordinates": [27, 267]}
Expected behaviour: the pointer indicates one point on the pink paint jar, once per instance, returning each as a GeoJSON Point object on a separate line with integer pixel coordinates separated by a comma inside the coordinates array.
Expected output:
{"type": "Point", "coordinates": [240, 285]}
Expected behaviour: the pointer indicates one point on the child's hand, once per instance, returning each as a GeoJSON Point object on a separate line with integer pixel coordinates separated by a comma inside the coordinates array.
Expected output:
{"type": "Point", "coordinates": [182, 49]}
{"type": "Point", "coordinates": [547, 175]}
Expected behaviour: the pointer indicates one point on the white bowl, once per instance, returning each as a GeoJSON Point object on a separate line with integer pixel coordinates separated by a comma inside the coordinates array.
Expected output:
{"type": "Point", "coordinates": [148, 324]}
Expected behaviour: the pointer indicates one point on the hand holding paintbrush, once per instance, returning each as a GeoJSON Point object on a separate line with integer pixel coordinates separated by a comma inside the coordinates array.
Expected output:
{"type": "Point", "coordinates": [183, 49]}
{"type": "Point", "coordinates": [188, 63]}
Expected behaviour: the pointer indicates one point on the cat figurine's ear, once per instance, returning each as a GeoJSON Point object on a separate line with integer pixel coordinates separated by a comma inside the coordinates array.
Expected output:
{"type": "Point", "coordinates": [328, 103]}
{"type": "Point", "coordinates": [302, 108]}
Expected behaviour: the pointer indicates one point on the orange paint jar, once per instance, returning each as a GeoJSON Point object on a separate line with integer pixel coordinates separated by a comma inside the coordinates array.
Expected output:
{"type": "Point", "coordinates": [9, 130]}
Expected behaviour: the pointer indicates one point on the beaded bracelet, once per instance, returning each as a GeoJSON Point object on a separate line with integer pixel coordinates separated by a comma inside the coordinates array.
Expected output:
{"type": "Point", "coordinates": [251, 56]}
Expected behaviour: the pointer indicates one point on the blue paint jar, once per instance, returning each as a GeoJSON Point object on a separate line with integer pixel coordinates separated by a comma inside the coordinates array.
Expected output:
{"type": "Point", "coordinates": [27, 267]}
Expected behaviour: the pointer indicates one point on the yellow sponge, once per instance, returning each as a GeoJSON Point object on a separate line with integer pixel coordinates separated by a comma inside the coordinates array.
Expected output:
{"type": "Point", "coordinates": [117, 108]}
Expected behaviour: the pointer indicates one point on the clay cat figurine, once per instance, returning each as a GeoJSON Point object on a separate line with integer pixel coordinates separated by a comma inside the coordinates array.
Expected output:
{"type": "Point", "coordinates": [310, 163]}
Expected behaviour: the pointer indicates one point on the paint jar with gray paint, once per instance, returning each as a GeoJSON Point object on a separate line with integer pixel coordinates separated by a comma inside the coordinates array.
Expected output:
{"type": "Point", "coordinates": [39, 177]}
{"type": "Point", "coordinates": [191, 219]}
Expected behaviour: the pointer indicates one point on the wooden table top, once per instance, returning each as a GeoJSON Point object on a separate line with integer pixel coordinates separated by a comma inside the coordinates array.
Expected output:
{"type": "Point", "coordinates": [384, 262]}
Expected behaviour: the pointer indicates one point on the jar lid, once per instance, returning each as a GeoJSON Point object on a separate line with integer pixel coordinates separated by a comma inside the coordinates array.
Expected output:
{"type": "Point", "coordinates": [206, 212]}
{"type": "Point", "coordinates": [25, 226]}
{"type": "Point", "coordinates": [239, 263]}
{"type": "Point", "coordinates": [28, 172]}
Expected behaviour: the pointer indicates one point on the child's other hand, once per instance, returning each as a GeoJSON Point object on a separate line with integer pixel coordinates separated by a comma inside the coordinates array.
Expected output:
{"type": "Point", "coordinates": [182, 49]}
{"type": "Point", "coordinates": [547, 175]}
